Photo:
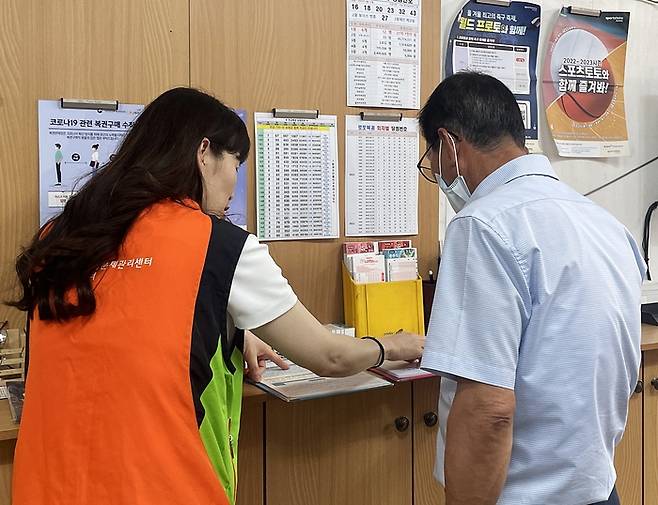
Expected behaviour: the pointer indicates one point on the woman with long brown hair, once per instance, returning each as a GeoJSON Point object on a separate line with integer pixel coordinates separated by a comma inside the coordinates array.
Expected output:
{"type": "Point", "coordinates": [138, 295]}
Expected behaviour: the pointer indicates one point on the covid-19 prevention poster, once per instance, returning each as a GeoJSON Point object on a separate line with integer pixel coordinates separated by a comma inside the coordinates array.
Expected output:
{"type": "Point", "coordinates": [73, 145]}
{"type": "Point", "coordinates": [583, 83]}
{"type": "Point", "coordinates": [500, 41]}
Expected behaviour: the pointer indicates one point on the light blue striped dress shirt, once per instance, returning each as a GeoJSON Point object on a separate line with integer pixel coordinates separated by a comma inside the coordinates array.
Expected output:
{"type": "Point", "coordinates": [539, 292]}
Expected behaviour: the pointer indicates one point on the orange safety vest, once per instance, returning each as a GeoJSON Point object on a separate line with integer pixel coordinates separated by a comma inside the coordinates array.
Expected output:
{"type": "Point", "coordinates": [139, 404]}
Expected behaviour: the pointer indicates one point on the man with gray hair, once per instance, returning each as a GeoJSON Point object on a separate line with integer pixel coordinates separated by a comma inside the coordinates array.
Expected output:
{"type": "Point", "coordinates": [535, 327]}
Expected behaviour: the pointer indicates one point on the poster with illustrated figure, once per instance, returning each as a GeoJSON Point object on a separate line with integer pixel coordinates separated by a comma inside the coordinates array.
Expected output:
{"type": "Point", "coordinates": [583, 83]}
{"type": "Point", "coordinates": [500, 41]}
{"type": "Point", "coordinates": [73, 144]}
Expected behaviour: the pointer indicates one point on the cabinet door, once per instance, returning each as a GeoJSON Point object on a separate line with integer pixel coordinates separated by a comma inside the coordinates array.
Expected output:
{"type": "Point", "coordinates": [251, 448]}
{"type": "Point", "coordinates": [651, 427]}
{"type": "Point", "coordinates": [628, 455]}
{"type": "Point", "coordinates": [6, 460]}
{"type": "Point", "coordinates": [348, 449]}
{"type": "Point", "coordinates": [427, 491]}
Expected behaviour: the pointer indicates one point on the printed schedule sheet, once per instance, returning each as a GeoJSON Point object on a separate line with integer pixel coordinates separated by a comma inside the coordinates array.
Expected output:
{"type": "Point", "coordinates": [383, 53]}
{"type": "Point", "coordinates": [296, 178]}
{"type": "Point", "coordinates": [381, 178]}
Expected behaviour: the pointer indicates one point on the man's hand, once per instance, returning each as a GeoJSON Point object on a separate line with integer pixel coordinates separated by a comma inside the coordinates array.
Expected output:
{"type": "Point", "coordinates": [256, 353]}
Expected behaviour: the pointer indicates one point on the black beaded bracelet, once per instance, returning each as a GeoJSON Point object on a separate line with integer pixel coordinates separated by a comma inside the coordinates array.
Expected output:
{"type": "Point", "coordinates": [382, 352]}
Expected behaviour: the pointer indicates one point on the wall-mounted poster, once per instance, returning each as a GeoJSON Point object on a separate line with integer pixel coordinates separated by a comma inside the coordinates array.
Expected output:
{"type": "Point", "coordinates": [500, 41]}
{"type": "Point", "coordinates": [583, 83]}
{"type": "Point", "coordinates": [73, 145]}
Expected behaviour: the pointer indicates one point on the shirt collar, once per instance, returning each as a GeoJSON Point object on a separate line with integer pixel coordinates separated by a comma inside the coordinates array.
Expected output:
{"type": "Point", "coordinates": [529, 164]}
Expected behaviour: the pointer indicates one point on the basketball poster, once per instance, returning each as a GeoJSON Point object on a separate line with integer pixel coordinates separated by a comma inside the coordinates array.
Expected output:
{"type": "Point", "coordinates": [500, 41]}
{"type": "Point", "coordinates": [583, 83]}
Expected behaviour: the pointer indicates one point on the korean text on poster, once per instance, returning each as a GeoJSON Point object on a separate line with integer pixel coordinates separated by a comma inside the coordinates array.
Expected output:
{"type": "Point", "coordinates": [73, 145]}
{"type": "Point", "coordinates": [381, 178]}
{"type": "Point", "coordinates": [583, 84]}
{"type": "Point", "coordinates": [502, 42]}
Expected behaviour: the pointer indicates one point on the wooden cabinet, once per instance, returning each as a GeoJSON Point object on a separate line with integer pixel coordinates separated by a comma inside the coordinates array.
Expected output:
{"type": "Point", "coordinates": [347, 449]}
{"type": "Point", "coordinates": [628, 455]}
{"type": "Point", "coordinates": [650, 405]}
{"type": "Point", "coordinates": [6, 461]}
{"type": "Point", "coordinates": [251, 470]}
{"type": "Point", "coordinates": [636, 459]}
{"type": "Point", "coordinates": [8, 433]}
{"type": "Point", "coordinates": [372, 447]}
{"type": "Point", "coordinates": [427, 491]}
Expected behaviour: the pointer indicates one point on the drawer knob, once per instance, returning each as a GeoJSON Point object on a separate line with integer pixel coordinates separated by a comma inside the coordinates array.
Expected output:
{"type": "Point", "coordinates": [430, 419]}
{"type": "Point", "coordinates": [402, 424]}
{"type": "Point", "coordinates": [639, 387]}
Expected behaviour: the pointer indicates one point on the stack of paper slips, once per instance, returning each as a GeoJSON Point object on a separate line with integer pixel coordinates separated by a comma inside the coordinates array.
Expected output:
{"type": "Point", "coordinates": [363, 262]}
{"type": "Point", "coordinates": [401, 264]}
{"type": "Point", "coordinates": [367, 267]}
{"type": "Point", "coordinates": [386, 260]}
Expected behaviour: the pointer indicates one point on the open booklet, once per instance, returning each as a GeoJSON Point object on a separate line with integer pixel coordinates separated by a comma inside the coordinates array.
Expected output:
{"type": "Point", "coordinates": [402, 371]}
{"type": "Point", "coordinates": [298, 383]}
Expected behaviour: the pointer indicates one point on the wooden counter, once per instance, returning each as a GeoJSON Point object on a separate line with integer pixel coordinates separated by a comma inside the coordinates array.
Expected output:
{"type": "Point", "coordinates": [649, 337]}
{"type": "Point", "coordinates": [9, 430]}
{"type": "Point", "coordinates": [253, 394]}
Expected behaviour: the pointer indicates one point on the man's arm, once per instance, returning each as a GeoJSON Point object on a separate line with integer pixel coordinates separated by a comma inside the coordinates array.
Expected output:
{"type": "Point", "coordinates": [478, 443]}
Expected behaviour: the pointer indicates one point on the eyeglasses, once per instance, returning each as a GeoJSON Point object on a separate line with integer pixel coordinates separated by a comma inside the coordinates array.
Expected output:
{"type": "Point", "coordinates": [427, 172]}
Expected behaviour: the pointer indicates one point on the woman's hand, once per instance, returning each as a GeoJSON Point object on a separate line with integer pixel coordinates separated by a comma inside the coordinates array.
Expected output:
{"type": "Point", "coordinates": [256, 353]}
{"type": "Point", "coordinates": [403, 346]}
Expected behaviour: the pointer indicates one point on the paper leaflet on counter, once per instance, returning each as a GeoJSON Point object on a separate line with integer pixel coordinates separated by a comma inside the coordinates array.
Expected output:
{"type": "Point", "coordinates": [401, 371]}
{"type": "Point", "coordinates": [298, 383]}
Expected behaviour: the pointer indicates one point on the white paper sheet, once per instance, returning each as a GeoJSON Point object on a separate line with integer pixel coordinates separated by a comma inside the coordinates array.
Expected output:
{"type": "Point", "coordinates": [381, 178]}
{"type": "Point", "coordinates": [298, 383]}
{"type": "Point", "coordinates": [296, 178]}
{"type": "Point", "coordinates": [383, 53]}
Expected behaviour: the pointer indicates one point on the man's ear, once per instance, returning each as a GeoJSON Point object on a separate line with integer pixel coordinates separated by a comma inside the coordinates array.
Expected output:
{"type": "Point", "coordinates": [449, 144]}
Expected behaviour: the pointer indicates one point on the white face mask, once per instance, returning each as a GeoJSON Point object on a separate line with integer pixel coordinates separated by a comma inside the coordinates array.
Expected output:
{"type": "Point", "coordinates": [457, 193]}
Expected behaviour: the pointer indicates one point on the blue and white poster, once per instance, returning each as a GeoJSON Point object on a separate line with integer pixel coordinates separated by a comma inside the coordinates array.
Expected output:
{"type": "Point", "coordinates": [502, 42]}
{"type": "Point", "coordinates": [73, 145]}
{"type": "Point", "coordinates": [237, 210]}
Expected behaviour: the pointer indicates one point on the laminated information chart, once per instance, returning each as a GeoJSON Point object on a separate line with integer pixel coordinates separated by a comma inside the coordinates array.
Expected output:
{"type": "Point", "coordinates": [296, 178]}
{"type": "Point", "coordinates": [383, 53]}
{"type": "Point", "coordinates": [381, 179]}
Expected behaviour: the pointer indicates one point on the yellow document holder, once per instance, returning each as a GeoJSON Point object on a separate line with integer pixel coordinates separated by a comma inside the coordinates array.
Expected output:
{"type": "Point", "coordinates": [379, 308]}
